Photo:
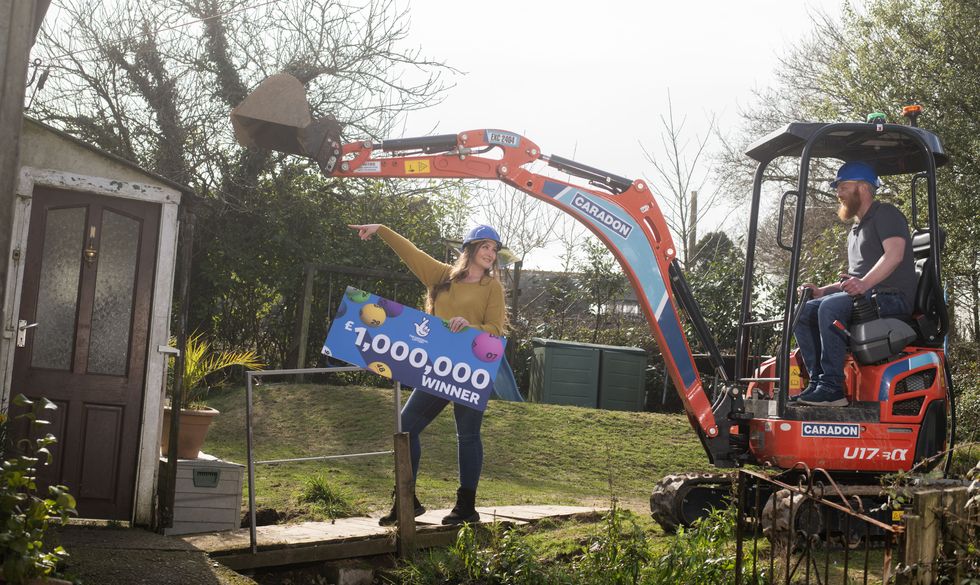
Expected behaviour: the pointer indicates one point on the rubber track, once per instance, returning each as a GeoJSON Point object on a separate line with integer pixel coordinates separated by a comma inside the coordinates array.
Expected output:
{"type": "Point", "coordinates": [667, 499]}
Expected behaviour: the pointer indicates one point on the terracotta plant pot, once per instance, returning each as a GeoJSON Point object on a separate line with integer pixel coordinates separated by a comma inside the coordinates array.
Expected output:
{"type": "Point", "coordinates": [194, 425]}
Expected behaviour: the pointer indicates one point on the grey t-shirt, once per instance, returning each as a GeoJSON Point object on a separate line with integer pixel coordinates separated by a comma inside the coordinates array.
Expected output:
{"type": "Point", "coordinates": [864, 249]}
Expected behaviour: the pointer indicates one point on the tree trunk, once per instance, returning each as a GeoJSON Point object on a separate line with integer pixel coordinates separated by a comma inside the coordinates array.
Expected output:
{"type": "Point", "coordinates": [975, 290]}
{"type": "Point", "coordinates": [953, 333]}
{"type": "Point", "coordinates": [693, 231]}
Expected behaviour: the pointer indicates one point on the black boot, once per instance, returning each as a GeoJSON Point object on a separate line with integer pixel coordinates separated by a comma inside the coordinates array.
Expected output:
{"type": "Point", "coordinates": [465, 509]}
{"type": "Point", "coordinates": [391, 518]}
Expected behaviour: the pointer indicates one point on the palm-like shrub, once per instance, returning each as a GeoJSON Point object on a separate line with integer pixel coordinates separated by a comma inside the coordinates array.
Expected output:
{"type": "Point", "coordinates": [201, 364]}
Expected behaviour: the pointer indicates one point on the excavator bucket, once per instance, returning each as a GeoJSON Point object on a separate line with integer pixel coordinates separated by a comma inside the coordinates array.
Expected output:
{"type": "Point", "coordinates": [272, 115]}
{"type": "Point", "coordinates": [276, 116]}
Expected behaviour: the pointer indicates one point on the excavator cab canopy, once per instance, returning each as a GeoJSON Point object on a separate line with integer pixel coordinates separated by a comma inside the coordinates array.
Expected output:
{"type": "Point", "coordinates": [892, 149]}
{"type": "Point", "coordinates": [890, 152]}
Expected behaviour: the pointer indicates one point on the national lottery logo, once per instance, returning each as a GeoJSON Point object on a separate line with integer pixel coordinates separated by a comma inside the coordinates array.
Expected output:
{"type": "Point", "coordinates": [831, 430]}
{"type": "Point", "coordinates": [601, 215]}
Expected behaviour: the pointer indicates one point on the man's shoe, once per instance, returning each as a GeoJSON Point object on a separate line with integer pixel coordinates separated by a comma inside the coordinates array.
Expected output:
{"type": "Point", "coordinates": [825, 396]}
{"type": "Point", "coordinates": [391, 518]}
{"type": "Point", "coordinates": [810, 389]}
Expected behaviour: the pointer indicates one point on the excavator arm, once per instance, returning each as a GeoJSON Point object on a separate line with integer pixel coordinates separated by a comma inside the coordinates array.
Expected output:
{"type": "Point", "coordinates": [619, 211]}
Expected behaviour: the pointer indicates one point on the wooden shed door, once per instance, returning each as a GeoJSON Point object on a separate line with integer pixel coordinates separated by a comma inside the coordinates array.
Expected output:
{"type": "Point", "coordinates": [88, 284]}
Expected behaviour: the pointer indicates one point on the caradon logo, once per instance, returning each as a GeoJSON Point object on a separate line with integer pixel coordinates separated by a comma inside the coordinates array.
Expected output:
{"type": "Point", "coordinates": [601, 215]}
{"type": "Point", "coordinates": [832, 430]}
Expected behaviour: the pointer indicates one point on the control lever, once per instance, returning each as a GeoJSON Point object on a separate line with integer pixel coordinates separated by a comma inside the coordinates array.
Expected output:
{"type": "Point", "coordinates": [805, 295]}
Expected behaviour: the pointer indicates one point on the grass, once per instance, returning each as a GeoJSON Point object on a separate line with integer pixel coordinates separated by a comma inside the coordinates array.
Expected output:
{"type": "Point", "coordinates": [533, 453]}
{"type": "Point", "coordinates": [327, 497]}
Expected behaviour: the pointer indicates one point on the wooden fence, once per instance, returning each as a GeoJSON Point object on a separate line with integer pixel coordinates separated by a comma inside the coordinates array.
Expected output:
{"type": "Point", "coordinates": [941, 538]}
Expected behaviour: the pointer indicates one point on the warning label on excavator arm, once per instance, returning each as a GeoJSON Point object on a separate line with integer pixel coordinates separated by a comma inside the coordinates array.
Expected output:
{"type": "Point", "coordinates": [417, 167]}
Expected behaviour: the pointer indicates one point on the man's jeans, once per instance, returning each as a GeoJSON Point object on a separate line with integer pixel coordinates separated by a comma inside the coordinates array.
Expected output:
{"type": "Point", "coordinates": [421, 409]}
{"type": "Point", "coordinates": [824, 346]}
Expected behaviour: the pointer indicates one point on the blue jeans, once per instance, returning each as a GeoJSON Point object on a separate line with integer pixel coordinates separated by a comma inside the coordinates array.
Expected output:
{"type": "Point", "coordinates": [822, 345]}
{"type": "Point", "coordinates": [421, 409]}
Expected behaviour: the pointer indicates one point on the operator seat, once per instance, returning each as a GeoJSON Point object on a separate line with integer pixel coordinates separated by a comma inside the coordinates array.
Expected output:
{"type": "Point", "coordinates": [876, 339]}
{"type": "Point", "coordinates": [929, 297]}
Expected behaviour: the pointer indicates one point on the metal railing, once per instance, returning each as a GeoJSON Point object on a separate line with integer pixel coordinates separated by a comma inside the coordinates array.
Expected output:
{"type": "Point", "coordinates": [814, 530]}
{"type": "Point", "coordinates": [257, 375]}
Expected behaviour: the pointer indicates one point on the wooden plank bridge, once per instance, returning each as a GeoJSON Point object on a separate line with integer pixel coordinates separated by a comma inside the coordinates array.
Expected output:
{"type": "Point", "coordinates": [346, 538]}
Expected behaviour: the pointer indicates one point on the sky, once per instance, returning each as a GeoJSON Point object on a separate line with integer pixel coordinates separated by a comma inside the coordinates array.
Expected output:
{"type": "Point", "coordinates": [590, 80]}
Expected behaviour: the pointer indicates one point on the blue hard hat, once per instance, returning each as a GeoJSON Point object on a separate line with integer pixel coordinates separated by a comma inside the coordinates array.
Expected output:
{"type": "Point", "coordinates": [482, 232]}
{"type": "Point", "coordinates": [856, 171]}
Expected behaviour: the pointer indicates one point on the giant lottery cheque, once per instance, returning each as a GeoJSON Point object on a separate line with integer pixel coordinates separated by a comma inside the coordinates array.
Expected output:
{"type": "Point", "coordinates": [415, 348]}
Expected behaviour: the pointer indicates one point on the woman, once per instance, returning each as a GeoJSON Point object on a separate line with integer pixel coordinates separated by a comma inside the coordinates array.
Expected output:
{"type": "Point", "coordinates": [466, 294]}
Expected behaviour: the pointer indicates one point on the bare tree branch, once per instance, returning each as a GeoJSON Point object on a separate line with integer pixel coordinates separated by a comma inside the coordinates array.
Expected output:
{"type": "Point", "coordinates": [525, 223]}
{"type": "Point", "coordinates": [154, 82]}
{"type": "Point", "coordinates": [679, 175]}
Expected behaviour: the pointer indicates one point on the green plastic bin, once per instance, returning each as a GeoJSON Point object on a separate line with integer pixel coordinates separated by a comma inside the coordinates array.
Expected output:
{"type": "Point", "coordinates": [622, 378]}
{"type": "Point", "coordinates": [565, 372]}
{"type": "Point", "coordinates": [588, 375]}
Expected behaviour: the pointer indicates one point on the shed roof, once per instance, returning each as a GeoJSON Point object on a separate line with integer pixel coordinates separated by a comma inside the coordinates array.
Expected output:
{"type": "Point", "coordinates": [84, 158]}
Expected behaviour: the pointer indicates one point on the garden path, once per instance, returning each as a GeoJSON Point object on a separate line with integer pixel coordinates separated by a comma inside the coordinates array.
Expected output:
{"type": "Point", "coordinates": [348, 538]}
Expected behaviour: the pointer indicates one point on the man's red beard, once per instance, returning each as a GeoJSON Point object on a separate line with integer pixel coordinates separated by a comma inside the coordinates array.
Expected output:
{"type": "Point", "coordinates": [848, 208]}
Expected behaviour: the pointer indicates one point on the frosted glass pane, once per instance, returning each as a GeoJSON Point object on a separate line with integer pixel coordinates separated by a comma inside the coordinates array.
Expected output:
{"type": "Point", "coordinates": [115, 283]}
{"type": "Point", "coordinates": [57, 295]}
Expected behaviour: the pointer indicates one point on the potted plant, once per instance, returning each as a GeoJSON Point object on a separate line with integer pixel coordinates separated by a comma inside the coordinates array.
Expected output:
{"type": "Point", "coordinates": [26, 556]}
{"type": "Point", "coordinates": [200, 364]}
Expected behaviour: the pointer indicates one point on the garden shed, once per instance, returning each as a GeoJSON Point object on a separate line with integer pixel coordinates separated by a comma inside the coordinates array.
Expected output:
{"type": "Point", "coordinates": [87, 315]}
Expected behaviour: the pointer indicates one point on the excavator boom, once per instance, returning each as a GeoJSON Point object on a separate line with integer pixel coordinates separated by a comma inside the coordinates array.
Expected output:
{"type": "Point", "coordinates": [619, 211]}
{"type": "Point", "coordinates": [900, 395]}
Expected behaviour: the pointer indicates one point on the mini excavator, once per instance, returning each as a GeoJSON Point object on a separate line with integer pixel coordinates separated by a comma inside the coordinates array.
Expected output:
{"type": "Point", "coordinates": [901, 413]}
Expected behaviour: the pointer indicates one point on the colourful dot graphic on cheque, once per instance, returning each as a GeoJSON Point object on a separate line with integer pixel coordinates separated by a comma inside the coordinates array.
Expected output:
{"type": "Point", "coordinates": [487, 347]}
{"type": "Point", "coordinates": [380, 368]}
{"type": "Point", "coordinates": [373, 315]}
{"type": "Point", "coordinates": [392, 309]}
{"type": "Point", "coordinates": [357, 295]}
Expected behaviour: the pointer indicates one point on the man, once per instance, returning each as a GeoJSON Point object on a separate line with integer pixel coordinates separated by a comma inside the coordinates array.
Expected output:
{"type": "Point", "coordinates": [879, 255]}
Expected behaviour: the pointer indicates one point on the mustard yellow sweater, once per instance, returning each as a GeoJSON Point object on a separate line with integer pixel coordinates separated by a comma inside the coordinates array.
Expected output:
{"type": "Point", "coordinates": [480, 303]}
